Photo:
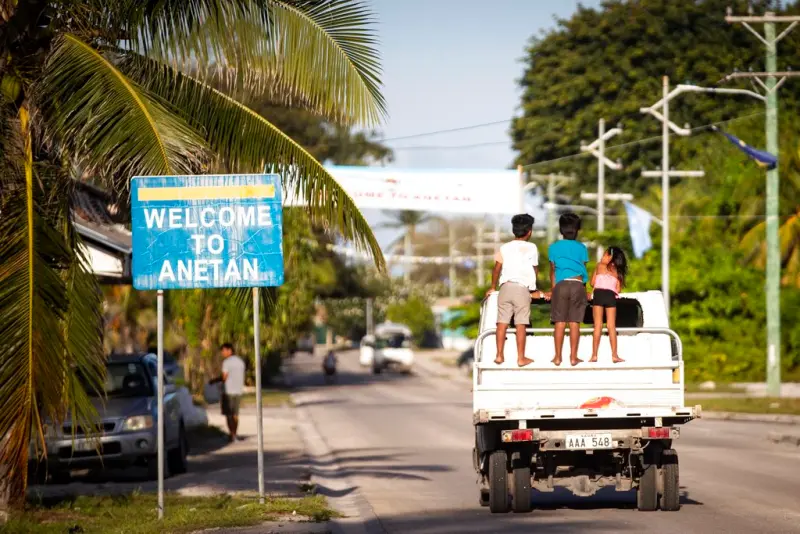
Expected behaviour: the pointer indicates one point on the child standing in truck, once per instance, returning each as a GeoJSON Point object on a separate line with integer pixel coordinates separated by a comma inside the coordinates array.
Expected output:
{"type": "Point", "coordinates": [608, 280]}
{"type": "Point", "coordinates": [568, 277]}
{"type": "Point", "coordinates": [515, 270]}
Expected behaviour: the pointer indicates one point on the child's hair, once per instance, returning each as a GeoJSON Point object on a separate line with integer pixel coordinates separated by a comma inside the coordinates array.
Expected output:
{"type": "Point", "coordinates": [619, 262]}
{"type": "Point", "coordinates": [569, 224]}
{"type": "Point", "coordinates": [521, 224]}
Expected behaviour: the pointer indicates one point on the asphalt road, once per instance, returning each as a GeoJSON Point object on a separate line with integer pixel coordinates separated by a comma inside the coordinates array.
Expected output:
{"type": "Point", "coordinates": [403, 444]}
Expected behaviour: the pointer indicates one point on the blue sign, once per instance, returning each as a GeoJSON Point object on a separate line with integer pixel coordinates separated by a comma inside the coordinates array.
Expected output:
{"type": "Point", "coordinates": [207, 231]}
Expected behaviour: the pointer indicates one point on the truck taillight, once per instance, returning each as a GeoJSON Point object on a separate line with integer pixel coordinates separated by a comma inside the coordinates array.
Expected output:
{"type": "Point", "coordinates": [662, 432]}
{"type": "Point", "coordinates": [524, 434]}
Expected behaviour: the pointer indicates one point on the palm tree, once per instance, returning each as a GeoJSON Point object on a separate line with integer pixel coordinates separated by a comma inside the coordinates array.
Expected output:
{"type": "Point", "coordinates": [119, 88]}
{"type": "Point", "coordinates": [408, 221]}
{"type": "Point", "coordinates": [755, 246]}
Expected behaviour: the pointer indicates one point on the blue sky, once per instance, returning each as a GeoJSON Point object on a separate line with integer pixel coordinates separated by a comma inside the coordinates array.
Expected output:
{"type": "Point", "coordinates": [454, 63]}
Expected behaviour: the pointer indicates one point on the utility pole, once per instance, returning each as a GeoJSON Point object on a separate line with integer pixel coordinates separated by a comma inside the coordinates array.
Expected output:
{"type": "Point", "coordinates": [771, 85]}
{"type": "Point", "coordinates": [622, 197]}
{"type": "Point", "coordinates": [481, 268]}
{"type": "Point", "coordinates": [451, 241]}
{"type": "Point", "coordinates": [598, 149]}
{"type": "Point", "coordinates": [554, 181]}
{"type": "Point", "coordinates": [665, 173]}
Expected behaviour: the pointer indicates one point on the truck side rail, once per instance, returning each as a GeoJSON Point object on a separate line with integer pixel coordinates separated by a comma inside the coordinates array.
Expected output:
{"type": "Point", "coordinates": [622, 331]}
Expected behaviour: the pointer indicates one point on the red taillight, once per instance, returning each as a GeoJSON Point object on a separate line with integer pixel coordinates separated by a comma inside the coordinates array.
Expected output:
{"type": "Point", "coordinates": [524, 434]}
{"type": "Point", "coordinates": [662, 432]}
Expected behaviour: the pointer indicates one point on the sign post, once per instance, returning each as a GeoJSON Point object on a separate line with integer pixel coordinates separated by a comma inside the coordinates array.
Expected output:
{"type": "Point", "coordinates": [211, 231]}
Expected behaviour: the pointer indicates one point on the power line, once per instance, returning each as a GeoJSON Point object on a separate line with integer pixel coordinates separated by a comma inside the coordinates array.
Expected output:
{"type": "Point", "coordinates": [437, 132]}
{"type": "Point", "coordinates": [645, 140]}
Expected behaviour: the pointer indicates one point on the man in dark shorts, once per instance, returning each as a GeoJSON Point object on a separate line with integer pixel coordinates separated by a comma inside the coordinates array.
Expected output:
{"type": "Point", "coordinates": [232, 378]}
{"type": "Point", "coordinates": [568, 276]}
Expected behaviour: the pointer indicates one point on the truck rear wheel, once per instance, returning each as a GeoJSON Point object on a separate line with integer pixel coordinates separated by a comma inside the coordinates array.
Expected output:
{"type": "Point", "coordinates": [522, 483]}
{"type": "Point", "coordinates": [670, 481]}
{"type": "Point", "coordinates": [498, 482]}
{"type": "Point", "coordinates": [647, 492]}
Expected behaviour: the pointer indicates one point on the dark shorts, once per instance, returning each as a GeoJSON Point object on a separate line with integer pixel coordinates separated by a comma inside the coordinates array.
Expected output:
{"type": "Point", "coordinates": [568, 304]}
{"type": "Point", "coordinates": [605, 298]}
{"type": "Point", "coordinates": [230, 404]}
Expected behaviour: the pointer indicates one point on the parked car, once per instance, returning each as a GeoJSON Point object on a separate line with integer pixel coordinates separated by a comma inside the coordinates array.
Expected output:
{"type": "Point", "coordinates": [127, 418]}
{"type": "Point", "coordinates": [172, 369]}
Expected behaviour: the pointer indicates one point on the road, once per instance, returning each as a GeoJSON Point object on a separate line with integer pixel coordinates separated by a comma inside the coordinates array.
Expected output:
{"type": "Point", "coordinates": [403, 444]}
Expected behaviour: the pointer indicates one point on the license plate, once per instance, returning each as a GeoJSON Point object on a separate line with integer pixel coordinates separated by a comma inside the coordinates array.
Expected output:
{"type": "Point", "coordinates": [588, 441]}
{"type": "Point", "coordinates": [84, 446]}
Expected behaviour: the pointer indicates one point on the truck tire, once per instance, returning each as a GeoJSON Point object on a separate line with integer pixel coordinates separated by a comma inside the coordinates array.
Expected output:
{"type": "Point", "coordinates": [498, 482]}
{"type": "Point", "coordinates": [647, 492]}
{"type": "Point", "coordinates": [670, 481]}
{"type": "Point", "coordinates": [521, 495]}
{"type": "Point", "coordinates": [376, 369]}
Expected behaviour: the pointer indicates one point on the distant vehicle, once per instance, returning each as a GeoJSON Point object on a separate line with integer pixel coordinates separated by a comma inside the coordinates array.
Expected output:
{"type": "Point", "coordinates": [389, 348]}
{"type": "Point", "coordinates": [329, 367]}
{"type": "Point", "coordinates": [126, 423]}
{"type": "Point", "coordinates": [466, 360]}
{"type": "Point", "coordinates": [584, 427]}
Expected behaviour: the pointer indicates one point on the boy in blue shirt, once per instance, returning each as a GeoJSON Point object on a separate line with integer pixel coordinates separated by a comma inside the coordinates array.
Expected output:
{"type": "Point", "coordinates": [568, 277]}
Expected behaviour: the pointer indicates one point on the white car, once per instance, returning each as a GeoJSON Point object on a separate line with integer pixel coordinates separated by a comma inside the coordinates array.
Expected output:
{"type": "Point", "coordinates": [390, 347]}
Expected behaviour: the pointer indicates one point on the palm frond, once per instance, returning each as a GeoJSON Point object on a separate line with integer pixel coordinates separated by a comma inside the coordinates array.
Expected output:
{"type": "Point", "coordinates": [100, 115]}
{"type": "Point", "coordinates": [247, 142]}
{"type": "Point", "coordinates": [33, 302]}
{"type": "Point", "coordinates": [320, 54]}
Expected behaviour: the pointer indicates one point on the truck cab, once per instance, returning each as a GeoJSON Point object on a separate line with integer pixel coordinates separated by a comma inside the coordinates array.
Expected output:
{"type": "Point", "coordinates": [583, 427]}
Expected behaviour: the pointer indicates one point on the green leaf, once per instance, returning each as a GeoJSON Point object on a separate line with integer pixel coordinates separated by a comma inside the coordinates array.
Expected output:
{"type": "Point", "coordinates": [100, 116]}
{"type": "Point", "coordinates": [318, 54]}
{"type": "Point", "coordinates": [247, 142]}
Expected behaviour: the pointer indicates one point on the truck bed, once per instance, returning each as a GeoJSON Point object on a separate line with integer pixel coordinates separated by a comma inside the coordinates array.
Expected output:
{"type": "Point", "coordinates": [649, 384]}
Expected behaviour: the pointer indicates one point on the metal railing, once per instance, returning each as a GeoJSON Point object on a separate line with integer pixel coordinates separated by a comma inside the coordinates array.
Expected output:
{"type": "Point", "coordinates": [622, 331]}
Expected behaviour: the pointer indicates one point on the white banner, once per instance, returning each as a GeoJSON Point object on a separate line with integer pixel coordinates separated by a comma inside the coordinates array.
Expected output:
{"type": "Point", "coordinates": [441, 191]}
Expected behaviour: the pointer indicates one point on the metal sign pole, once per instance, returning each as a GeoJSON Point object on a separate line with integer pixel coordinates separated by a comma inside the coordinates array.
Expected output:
{"type": "Point", "coordinates": [259, 407]}
{"type": "Point", "coordinates": [160, 414]}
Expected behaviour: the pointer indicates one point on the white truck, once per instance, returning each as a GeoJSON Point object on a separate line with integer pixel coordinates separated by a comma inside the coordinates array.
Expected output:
{"type": "Point", "coordinates": [583, 427]}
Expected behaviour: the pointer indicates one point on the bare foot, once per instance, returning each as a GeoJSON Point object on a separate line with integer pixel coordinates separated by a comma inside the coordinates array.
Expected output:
{"type": "Point", "coordinates": [575, 361]}
{"type": "Point", "coordinates": [522, 362]}
{"type": "Point", "coordinates": [556, 361]}
{"type": "Point", "coordinates": [617, 359]}
{"type": "Point", "coordinates": [593, 359]}
{"type": "Point", "coordinates": [499, 360]}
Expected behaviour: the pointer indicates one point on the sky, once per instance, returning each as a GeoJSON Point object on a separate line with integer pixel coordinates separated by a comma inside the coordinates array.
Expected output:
{"type": "Point", "coordinates": [456, 63]}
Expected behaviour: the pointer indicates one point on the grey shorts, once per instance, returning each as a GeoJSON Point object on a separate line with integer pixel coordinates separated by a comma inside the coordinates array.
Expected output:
{"type": "Point", "coordinates": [230, 404]}
{"type": "Point", "coordinates": [569, 302]}
{"type": "Point", "coordinates": [514, 301]}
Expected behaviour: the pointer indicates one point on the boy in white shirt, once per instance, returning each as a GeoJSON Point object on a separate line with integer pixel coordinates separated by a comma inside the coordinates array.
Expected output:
{"type": "Point", "coordinates": [516, 268]}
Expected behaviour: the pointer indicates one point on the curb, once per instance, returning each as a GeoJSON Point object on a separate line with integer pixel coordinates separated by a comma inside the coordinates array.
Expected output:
{"type": "Point", "coordinates": [752, 417]}
{"type": "Point", "coordinates": [341, 492]}
{"type": "Point", "coordinates": [790, 439]}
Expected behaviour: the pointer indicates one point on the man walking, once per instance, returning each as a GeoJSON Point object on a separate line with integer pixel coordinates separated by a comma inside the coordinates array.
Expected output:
{"type": "Point", "coordinates": [232, 379]}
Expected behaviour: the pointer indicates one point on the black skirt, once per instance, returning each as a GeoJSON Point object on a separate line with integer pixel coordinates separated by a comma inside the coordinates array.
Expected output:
{"type": "Point", "coordinates": [605, 298]}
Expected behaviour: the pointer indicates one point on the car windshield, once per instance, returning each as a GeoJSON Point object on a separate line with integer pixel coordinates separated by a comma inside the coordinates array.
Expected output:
{"type": "Point", "coordinates": [124, 380]}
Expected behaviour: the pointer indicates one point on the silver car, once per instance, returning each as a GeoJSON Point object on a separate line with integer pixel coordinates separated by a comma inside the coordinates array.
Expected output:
{"type": "Point", "coordinates": [127, 426]}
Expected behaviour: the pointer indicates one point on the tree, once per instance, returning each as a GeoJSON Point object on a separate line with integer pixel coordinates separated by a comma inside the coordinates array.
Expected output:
{"type": "Point", "coordinates": [409, 221]}
{"type": "Point", "coordinates": [609, 62]}
{"type": "Point", "coordinates": [117, 88]}
{"type": "Point", "coordinates": [414, 312]}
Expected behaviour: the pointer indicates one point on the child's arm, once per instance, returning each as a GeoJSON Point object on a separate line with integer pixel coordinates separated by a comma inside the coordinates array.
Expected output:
{"type": "Point", "coordinates": [594, 274]}
{"type": "Point", "coordinates": [498, 266]}
{"type": "Point", "coordinates": [552, 275]}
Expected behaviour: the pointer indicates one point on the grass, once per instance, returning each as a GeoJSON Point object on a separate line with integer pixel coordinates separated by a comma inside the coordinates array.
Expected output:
{"type": "Point", "coordinates": [269, 397]}
{"type": "Point", "coordinates": [136, 514]}
{"type": "Point", "coordinates": [757, 405]}
{"type": "Point", "coordinates": [719, 388]}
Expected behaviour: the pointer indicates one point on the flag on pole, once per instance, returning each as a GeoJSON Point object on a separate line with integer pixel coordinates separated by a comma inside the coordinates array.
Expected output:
{"type": "Point", "coordinates": [639, 224]}
{"type": "Point", "coordinates": [761, 157]}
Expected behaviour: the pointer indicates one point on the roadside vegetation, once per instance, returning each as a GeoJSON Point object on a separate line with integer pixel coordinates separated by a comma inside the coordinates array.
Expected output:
{"type": "Point", "coordinates": [136, 514]}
